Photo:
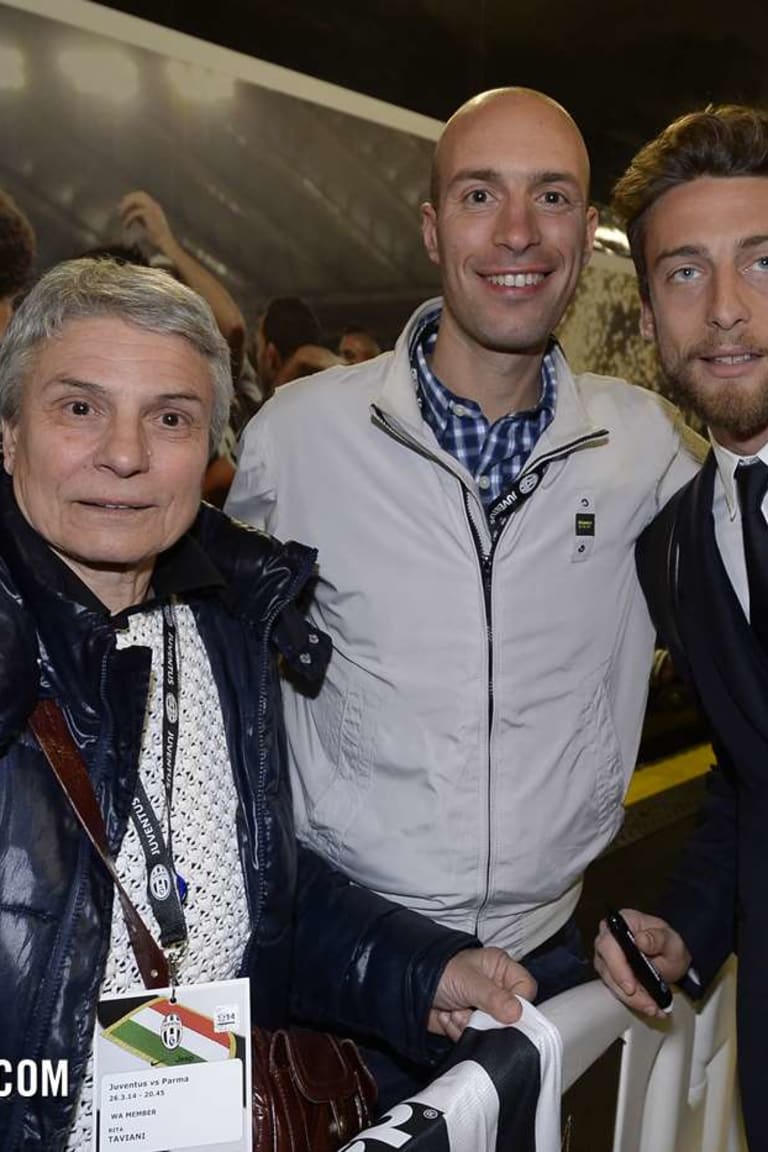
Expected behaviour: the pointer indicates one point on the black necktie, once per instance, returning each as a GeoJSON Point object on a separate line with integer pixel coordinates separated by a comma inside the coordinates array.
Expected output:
{"type": "Point", "coordinates": [752, 482]}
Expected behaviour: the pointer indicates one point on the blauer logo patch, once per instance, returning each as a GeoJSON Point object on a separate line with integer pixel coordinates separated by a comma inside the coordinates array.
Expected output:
{"type": "Point", "coordinates": [584, 528]}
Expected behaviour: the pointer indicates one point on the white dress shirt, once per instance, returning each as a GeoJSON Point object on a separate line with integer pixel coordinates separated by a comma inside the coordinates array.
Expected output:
{"type": "Point", "coordinates": [727, 517]}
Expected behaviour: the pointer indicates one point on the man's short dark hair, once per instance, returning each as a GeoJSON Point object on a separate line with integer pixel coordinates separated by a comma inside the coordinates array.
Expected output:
{"type": "Point", "coordinates": [17, 247]}
{"type": "Point", "coordinates": [725, 140]}
{"type": "Point", "coordinates": [120, 253]}
{"type": "Point", "coordinates": [288, 323]}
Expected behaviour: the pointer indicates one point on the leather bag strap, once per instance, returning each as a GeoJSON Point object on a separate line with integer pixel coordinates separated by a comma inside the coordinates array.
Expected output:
{"type": "Point", "coordinates": [52, 732]}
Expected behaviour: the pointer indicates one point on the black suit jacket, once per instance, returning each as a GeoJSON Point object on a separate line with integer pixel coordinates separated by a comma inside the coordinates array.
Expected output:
{"type": "Point", "coordinates": [718, 897]}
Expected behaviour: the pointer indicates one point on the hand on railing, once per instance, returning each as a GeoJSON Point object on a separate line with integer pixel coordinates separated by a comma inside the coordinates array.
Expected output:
{"type": "Point", "coordinates": [484, 978]}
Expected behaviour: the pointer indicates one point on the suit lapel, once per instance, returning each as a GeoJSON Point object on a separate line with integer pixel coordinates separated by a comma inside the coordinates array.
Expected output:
{"type": "Point", "coordinates": [714, 628]}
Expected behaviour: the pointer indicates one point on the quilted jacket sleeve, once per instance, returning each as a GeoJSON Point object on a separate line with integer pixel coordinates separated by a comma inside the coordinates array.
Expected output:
{"type": "Point", "coordinates": [19, 675]}
{"type": "Point", "coordinates": [363, 964]}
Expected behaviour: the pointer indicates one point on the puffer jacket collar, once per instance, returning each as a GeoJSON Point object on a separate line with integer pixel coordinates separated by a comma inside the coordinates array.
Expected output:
{"type": "Point", "coordinates": [254, 574]}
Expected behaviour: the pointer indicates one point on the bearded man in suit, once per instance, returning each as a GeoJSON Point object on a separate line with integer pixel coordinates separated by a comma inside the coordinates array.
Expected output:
{"type": "Point", "coordinates": [695, 201]}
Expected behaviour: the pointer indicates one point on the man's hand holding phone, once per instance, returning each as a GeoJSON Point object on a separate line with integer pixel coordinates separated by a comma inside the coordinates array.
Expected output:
{"type": "Point", "coordinates": [638, 956]}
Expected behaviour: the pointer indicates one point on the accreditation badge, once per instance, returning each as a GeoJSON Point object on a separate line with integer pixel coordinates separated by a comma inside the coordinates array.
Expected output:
{"type": "Point", "coordinates": [172, 1069]}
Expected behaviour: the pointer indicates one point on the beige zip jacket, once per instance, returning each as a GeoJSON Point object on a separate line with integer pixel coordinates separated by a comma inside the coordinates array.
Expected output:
{"type": "Point", "coordinates": [471, 746]}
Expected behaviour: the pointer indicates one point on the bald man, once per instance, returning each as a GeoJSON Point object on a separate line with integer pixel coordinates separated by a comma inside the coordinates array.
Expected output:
{"type": "Point", "coordinates": [475, 506]}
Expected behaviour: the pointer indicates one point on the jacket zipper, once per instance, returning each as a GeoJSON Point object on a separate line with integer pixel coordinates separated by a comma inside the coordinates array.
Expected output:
{"type": "Point", "coordinates": [485, 560]}
{"type": "Point", "coordinates": [300, 578]}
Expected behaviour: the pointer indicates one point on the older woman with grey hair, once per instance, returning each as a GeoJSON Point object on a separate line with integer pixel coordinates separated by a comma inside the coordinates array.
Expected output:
{"type": "Point", "coordinates": [117, 590]}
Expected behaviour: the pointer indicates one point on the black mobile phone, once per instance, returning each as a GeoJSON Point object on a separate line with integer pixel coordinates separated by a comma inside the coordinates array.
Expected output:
{"type": "Point", "coordinates": [641, 966]}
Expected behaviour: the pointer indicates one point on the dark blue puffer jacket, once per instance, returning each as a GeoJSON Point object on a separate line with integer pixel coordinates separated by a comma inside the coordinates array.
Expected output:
{"type": "Point", "coordinates": [321, 948]}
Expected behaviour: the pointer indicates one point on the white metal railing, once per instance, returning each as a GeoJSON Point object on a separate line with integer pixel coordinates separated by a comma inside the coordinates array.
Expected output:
{"type": "Point", "coordinates": [677, 1085]}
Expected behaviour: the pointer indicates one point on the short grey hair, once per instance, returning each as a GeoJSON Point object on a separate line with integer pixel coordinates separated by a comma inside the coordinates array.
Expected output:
{"type": "Point", "coordinates": [92, 289]}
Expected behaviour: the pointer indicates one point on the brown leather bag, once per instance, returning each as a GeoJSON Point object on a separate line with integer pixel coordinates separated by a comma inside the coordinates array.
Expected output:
{"type": "Point", "coordinates": [311, 1091]}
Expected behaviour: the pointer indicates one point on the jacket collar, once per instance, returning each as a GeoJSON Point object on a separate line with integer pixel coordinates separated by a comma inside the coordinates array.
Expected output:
{"type": "Point", "coordinates": [572, 421]}
{"type": "Point", "coordinates": [255, 576]}
{"type": "Point", "coordinates": [398, 396]}
{"type": "Point", "coordinates": [181, 569]}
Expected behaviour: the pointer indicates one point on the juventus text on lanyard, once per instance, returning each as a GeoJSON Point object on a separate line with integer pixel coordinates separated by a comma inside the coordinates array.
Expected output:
{"type": "Point", "coordinates": [166, 889]}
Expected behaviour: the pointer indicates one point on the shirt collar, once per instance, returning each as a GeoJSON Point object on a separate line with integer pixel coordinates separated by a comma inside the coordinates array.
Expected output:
{"type": "Point", "coordinates": [727, 463]}
{"type": "Point", "coordinates": [439, 399]}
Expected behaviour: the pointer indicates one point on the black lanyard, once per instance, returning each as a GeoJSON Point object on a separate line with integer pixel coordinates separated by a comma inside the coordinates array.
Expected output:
{"type": "Point", "coordinates": [166, 889]}
{"type": "Point", "coordinates": [529, 480]}
{"type": "Point", "coordinates": [515, 496]}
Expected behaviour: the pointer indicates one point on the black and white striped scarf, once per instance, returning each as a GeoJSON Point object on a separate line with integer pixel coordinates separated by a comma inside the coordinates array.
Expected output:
{"type": "Point", "coordinates": [501, 1091]}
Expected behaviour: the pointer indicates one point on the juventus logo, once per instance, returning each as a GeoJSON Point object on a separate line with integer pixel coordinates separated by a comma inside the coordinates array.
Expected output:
{"type": "Point", "coordinates": [171, 1031]}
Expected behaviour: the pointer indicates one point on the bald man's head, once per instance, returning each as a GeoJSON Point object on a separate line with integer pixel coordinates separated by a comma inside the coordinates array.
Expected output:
{"type": "Point", "coordinates": [523, 107]}
{"type": "Point", "coordinates": [510, 224]}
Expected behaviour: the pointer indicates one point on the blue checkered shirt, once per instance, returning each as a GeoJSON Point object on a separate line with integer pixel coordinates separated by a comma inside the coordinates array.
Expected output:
{"type": "Point", "coordinates": [493, 453]}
